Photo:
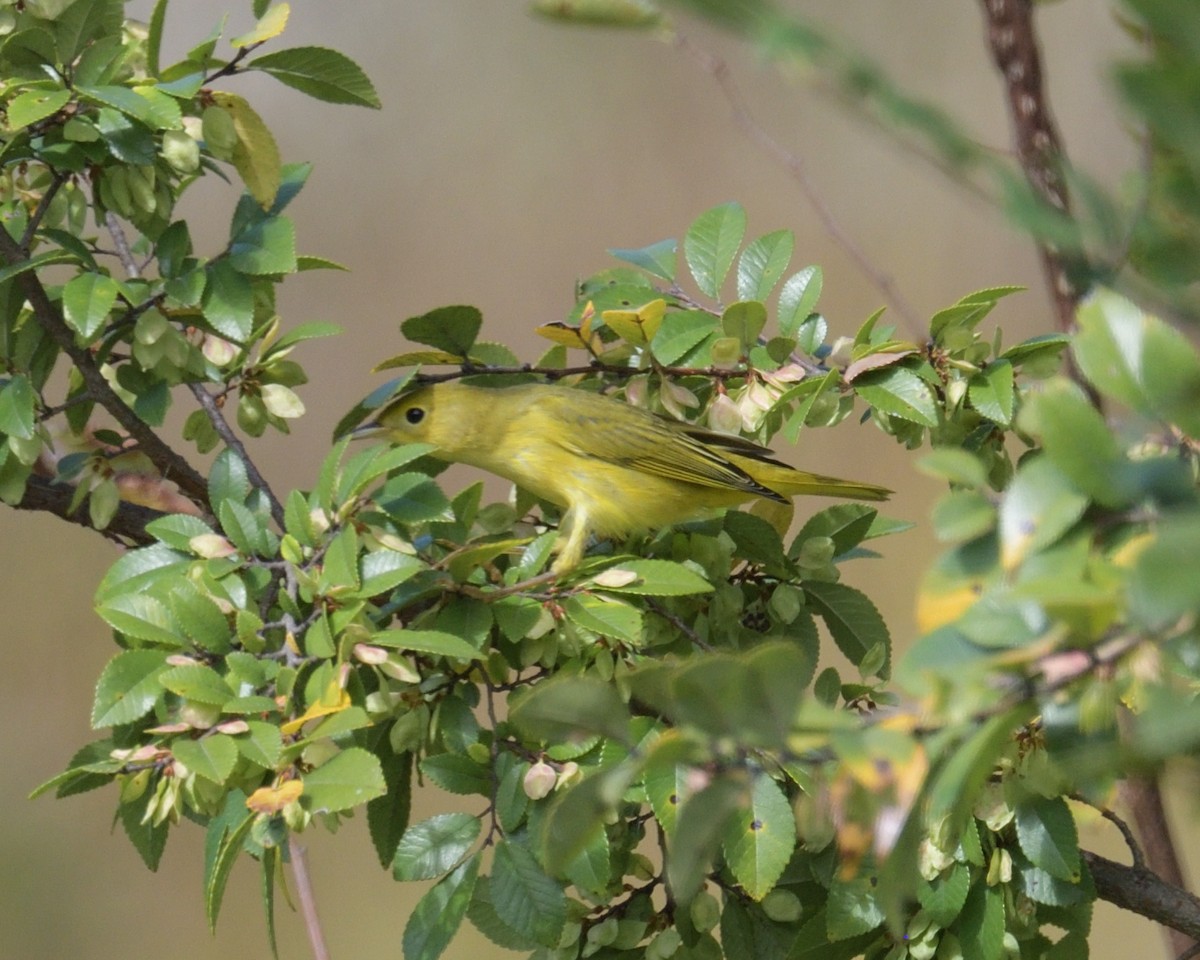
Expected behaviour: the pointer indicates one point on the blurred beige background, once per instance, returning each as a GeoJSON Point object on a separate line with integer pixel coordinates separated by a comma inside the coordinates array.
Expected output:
{"type": "Point", "coordinates": [509, 155]}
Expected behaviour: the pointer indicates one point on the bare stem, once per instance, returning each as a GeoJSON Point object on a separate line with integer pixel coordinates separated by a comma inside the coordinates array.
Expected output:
{"type": "Point", "coordinates": [209, 405]}
{"type": "Point", "coordinates": [718, 69]}
{"type": "Point", "coordinates": [308, 901]}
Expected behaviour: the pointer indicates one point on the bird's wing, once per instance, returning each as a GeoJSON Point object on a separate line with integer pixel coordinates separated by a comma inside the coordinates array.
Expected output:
{"type": "Point", "coordinates": [655, 445]}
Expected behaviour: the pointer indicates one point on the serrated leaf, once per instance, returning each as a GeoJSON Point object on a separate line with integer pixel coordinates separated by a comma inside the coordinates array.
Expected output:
{"type": "Point", "coordinates": [197, 682]}
{"type": "Point", "coordinates": [434, 642]}
{"type": "Point", "coordinates": [846, 524]}
{"type": "Point", "coordinates": [762, 264]}
{"type": "Point", "coordinates": [852, 908]}
{"type": "Point", "coordinates": [34, 105]}
{"type": "Point", "coordinates": [680, 332]}
{"type": "Point", "coordinates": [210, 757]}
{"type": "Point", "coordinates": [383, 570]}
{"type": "Point", "coordinates": [435, 846]}
{"type": "Point", "coordinates": [256, 155]}
{"type": "Point", "coordinates": [991, 392]}
{"type": "Point", "coordinates": [228, 301]}
{"type": "Point", "coordinates": [142, 616]}
{"type": "Point", "coordinates": [457, 773]}
{"type": "Point", "coordinates": [901, 393]}
{"type": "Point", "coordinates": [963, 515]}
{"type": "Point", "coordinates": [657, 258]}
{"type": "Point", "coordinates": [1047, 834]}
{"type": "Point", "coordinates": [524, 897]}
{"type": "Point", "coordinates": [660, 578]}
{"type": "Point", "coordinates": [222, 844]}
{"type": "Point", "coordinates": [853, 621]}
{"type": "Point", "coordinates": [452, 329]}
{"type": "Point", "coordinates": [437, 916]}
{"type": "Point", "coordinates": [17, 408]}
{"type": "Point", "coordinates": [149, 838]}
{"type": "Point", "coordinates": [128, 687]}
{"type": "Point", "coordinates": [321, 73]}
{"type": "Point", "coordinates": [144, 104]}
{"type": "Point", "coordinates": [699, 828]}
{"type": "Point", "coordinates": [797, 299]}
{"type": "Point", "coordinates": [608, 618]}
{"type": "Point", "coordinates": [266, 246]}
{"type": "Point", "coordinates": [261, 744]}
{"type": "Point", "coordinates": [566, 707]}
{"type": "Point", "coordinates": [980, 926]}
{"type": "Point", "coordinates": [86, 301]}
{"type": "Point", "coordinates": [269, 26]}
{"type": "Point", "coordinates": [483, 916]}
{"type": "Point", "coordinates": [943, 897]}
{"type": "Point", "coordinates": [349, 779]}
{"type": "Point", "coordinates": [759, 840]}
{"type": "Point", "coordinates": [711, 243]}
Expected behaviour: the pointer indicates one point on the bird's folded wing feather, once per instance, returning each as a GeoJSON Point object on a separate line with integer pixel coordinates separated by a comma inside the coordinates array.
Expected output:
{"type": "Point", "coordinates": [661, 448]}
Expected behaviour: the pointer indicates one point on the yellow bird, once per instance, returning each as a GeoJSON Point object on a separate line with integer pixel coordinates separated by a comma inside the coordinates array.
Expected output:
{"type": "Point", "coordinates": [616, 469]}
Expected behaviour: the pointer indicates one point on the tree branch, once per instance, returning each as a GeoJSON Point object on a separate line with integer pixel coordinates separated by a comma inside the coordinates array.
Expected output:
{"type": "Point", "coordinates": [308, 901]}
{"type": "Point", "coordinates": [128, 525]}
{"type": "Point", "coordinates": [1143, 892]}
{"type": "Point", "coordinates": [209, 404]}
{"type": "Point", "coordinates": [1013, 43]}
{"type": "Point", "coordinates": [169, 463]}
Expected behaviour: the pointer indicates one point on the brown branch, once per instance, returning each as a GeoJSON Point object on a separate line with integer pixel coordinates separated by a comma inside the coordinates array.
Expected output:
{"type": "Point", "coordinates": [128, 525]}
{"type": "Point", "coordinates": [718, 69]}
{"type": "Point", "coordinates": [209, 404]}
{"type": "Point", "coordinates": [308, 901]}
{"type": "Point", "coordinates": [1014, 47]}
{"type": "Point", "coordinates": [169, 463]}
{"type": "Point", "coordinates": [1143, 892]}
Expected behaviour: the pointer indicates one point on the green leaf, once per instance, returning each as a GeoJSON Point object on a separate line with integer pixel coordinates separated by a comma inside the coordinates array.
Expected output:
{"type": "Point", "coordinates": [567, 706]}
{"type": "Point", "coordinates": [211, 757]}
{"type": "Point", "coordinates": [899, 392]}
{"type": "Point", "coordinates": [434, 642]}
{"type": "Point", "coordinates": [852, 908]}
{"type": "Point", "coordinates": [349, 779]}
{"type": "Point", "coordinates": [679, 333]}
{"type": "Point", "coordinates": [266, 246]}
{"type": "Point", "coordinates": [144, 104]}
{"type": "Point", "coordinates": [34, 105]}
{"type": "Point", "coordinates": [1039, 506]}
{"type": "Point", "coordinates": [963, 515]}
{"type": "Point", "coordinates": [759, 840]}
{"type": "Point", "coordinates": [605, 617]}
{"type": "Point", "coordinates": [86, 301]}
{"type": "Point", "coordinates": [435, 846]}
{"type": "Point", "coordinates": [659, 578]}
{"type": "Point", "coordinates": [321, 73]}
{"type": "Point", "coordinates": [657, 258]}
{"type": "Point", "coordinates": [148, 838]}
{"type": "Point", "coordinates": [154, 34]}
{"type": "Point", "coordinates": [387, 816]}
{"type": "Point", "coordinates": [483, 916]}
{"type": "Point", "coordinates": [199, 617]}
{"type": "Point", "coordinates": [991, 392]}
{"type": "Point", "coordinates": [228, 301]}
{"type": "Point", "coordinates": [1047, 834]}
{"type": "Point", "coordinates": [711, 243]}
{"type": "Point", "coordinates": [437, 916]}
{"type": "Point", "coordinates": [222, 844]}
{"type": "Point", "coordinates": [846, 524]}
{"type": "Point", "coordinates": [1163, 585]}
{"type": "Point", "coordinates": [197, 682]}
{"type": "Point", "coordinates": [797, 299]}
{"type": "Point", "coordinates": [457, 773]}
{"type": "Point", "coordinates": [128, 687]}
{"type": "Point", "coordinates": [762, 264]}
{"type": "Point", "coordinates": [383, 570]}
{"type": "Point", "coordinates": [698, 831]}
{"type": "Point", "coordinates": [261, 744]}
{"type": "Point", "coordinates": [452, 329]}
{"type": "Point", "coordinates": [744, 321]}
{"type": "Point", "coordinates": [228, 479]}
{"type": "Point", "coordinates": [943, 897]}
{"type": "Point", "coordinates": [524, 897]}
{"type": "Point", "coordinates": [954, 466]}
{"type": "Point", "coordinates": [852, 619]}
{"type": "Point", "coordinates": [980, 926]}
{"type": "Point", "coordinates": [36, 262]}
{"type": "Point", "coordinates": [17, 408]}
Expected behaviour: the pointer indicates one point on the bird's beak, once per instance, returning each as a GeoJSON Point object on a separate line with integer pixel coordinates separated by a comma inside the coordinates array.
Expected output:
{"type": "Point", "coordinates": [368, 430]}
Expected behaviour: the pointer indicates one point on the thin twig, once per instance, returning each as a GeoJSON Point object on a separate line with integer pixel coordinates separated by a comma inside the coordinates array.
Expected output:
{"type": "Point", "coordinates": [121, 242]}
{"type": "Point", "coordinates": [39, 212]}
{"type": "Point", "coordinates": [308, 901]}
{"type": "Point", "coordinates": [209, 405]}
{"type": "Point", "coordinates": [169, 463]}
{"type": "Point", "coordinates": [718, 69]}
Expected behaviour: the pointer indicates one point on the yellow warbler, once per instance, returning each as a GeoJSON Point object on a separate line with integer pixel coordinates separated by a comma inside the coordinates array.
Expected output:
{"type": "Point", "coordinates": [615, 468]}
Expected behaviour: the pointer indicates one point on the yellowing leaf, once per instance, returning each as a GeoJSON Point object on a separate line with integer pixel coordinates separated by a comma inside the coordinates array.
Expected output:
{"type": "Point", "coordinates": [563, 334]}
{"type": "Point", "coordinates": [270, 800]}
{"type": "Point", "coordinates": [322, 708]}
{"type": "Point", "coordinates": [256, 155]}
{"type": "Point", "coordinates": [637, 326]}
{"type": "Point", "coordinates": [269, 26]}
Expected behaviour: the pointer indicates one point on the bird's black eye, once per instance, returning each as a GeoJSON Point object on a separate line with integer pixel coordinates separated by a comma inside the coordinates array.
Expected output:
{"type": "Point", "coordinates": [414, 415]}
